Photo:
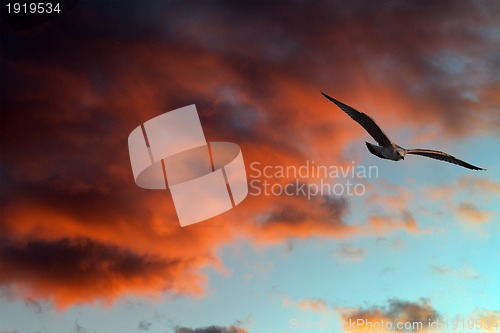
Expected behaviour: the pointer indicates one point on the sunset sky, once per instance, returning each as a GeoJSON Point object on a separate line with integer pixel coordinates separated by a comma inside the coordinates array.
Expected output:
{"type": "Point", "coordinates": [83, 249]}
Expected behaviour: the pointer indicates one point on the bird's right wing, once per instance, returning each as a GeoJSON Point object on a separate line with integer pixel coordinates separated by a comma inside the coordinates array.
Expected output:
{"type": "Point", "coordinates": [364, 120]}
{"type": "Point", "coordinates": [439, 155]}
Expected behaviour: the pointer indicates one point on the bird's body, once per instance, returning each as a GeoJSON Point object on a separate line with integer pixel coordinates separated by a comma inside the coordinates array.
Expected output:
{"type": "Point", "coordinates": [386, 148]}
{"type": "Point", "coordinates": [389, 152]}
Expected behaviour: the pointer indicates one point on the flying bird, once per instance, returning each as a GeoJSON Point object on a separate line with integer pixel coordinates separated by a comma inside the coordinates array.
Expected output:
{"type": "Point", "coordinates": [386, 148]}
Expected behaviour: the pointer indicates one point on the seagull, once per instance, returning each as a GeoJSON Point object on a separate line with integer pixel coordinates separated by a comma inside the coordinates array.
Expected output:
{"type": "Point", "coordinates": [386, 148]}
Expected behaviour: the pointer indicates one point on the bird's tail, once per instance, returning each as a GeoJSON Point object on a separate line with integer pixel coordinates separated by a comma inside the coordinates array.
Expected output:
{"type": "Point", "coordinates": [374, 149]}
{"type": "Point", "coordinates": [371, 148]}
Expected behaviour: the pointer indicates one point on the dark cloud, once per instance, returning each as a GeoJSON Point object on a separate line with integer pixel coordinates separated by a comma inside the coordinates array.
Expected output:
{"type": "Point", "coordinates": [144, 325]}
{"type": "Point", "coordinates": [418, 313]}
{"type": "Point", "coordinates": [291, 217]}
{"type": "Point", "coordinates": [37, 306]}
{"type": "Point", "coordinates": [76, 260]}
{"type": "Point", "coordinates": [81, 269]}
{"type": "Point", "coordinates": [325, 209]}
{"type": "Point", "coordinates": [349, 252]}
{"type": "Point", "coordinates": [81, 329]}
{"type": "Point", "coordinates": [211, 329]}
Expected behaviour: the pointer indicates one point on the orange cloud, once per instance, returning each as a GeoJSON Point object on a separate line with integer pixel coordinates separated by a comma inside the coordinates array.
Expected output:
{"type": "Point", "coordinates": [315, 305]}
{"type": "Point", "coordinates": [472, 214]}
{"type": "Point", "coordinates": [482, 188]}
{"type": "Point", "coordinates": [384, 224]}
{"type": "Point", "coordinates": [398, 197]}
{"type": "Point", "coordinates": [486, 320]}
{"type": "Point", "coordinates": [308, 304]}
{"type": "Point", "coordinates": [82, 271]}
{"type": "Point", "coordinates": [474, 185]}
{"type": "Point", "coordinates": [398, 316]}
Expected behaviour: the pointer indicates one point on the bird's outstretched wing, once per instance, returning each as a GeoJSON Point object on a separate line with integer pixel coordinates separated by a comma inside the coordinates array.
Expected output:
{"type": "Point", "coordinates": [364, 120]}
{"type": "Point", "coordinates": [439, 155]}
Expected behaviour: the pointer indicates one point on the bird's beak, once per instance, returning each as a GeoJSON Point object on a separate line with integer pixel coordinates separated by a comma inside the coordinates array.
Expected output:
{"type": "Point", "coordinates": [403, 158]}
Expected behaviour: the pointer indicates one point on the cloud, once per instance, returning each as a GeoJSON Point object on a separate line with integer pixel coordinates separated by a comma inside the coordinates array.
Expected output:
{"type": "Point", "coordinates": [482, 185]}
{"type": "Point", "coordinates": [482, 188]}
{"type": "Point", "coordinates": [296, 216]}
{"type": "Point", "coordinates": [472, 214]}
{"type": "Point", "coordinates": [389, 209]}
{"type": "Point", "coordinates": [315, 305]}
{"type": "Point", "coordinates": [82, 270]}
{"type": "Point", "coordinates": [416, 315]}
{"type": "Point", "coordinates": [465, 271]}
{"type": "Point", "coordinates": [390, 196]}
{"type": "Point", "coordinates": [211, 329]}
{"type": "Point", "coordinates": [37, 306]}
{"type": "Point", "coordinates": [307, 304]}
{"type": "Point", "coordinates": [247, 321]}
{"type": "Point", "coordinates": [348, 252]}
{"type": "Point", "coordinates": [81, 329]}
{"type": "Point", "coordinates": [383, 224]}
{"type": "Point", "coordinates": [395, 316]}
{"type": "Point", "coordinates": [488, 319]}
{"type": "Point", "coordinates": [388, 318]}
{"type": "Point", "coordinates": [144, 325]}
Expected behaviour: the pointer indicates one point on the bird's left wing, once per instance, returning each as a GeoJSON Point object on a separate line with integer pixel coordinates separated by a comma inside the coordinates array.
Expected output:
{"type": "Point", "coordinates": [439, 155]}
{"type": "Point", "coordinates": [364, 120]}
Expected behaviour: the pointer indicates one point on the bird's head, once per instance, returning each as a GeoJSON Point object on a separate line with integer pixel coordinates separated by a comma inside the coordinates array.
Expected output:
{"type": "Point", "coordinates": [401, 152]}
